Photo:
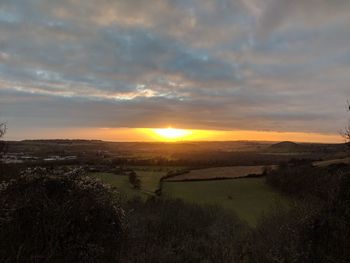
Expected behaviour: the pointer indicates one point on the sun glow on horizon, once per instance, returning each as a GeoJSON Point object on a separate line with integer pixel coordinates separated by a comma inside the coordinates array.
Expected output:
{"type": "Point", "coordinates": [171, 133]}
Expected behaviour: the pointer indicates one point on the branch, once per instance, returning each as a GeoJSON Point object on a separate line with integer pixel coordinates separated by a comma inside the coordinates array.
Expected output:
{"type": "Point", "coordinates": [2, 129]}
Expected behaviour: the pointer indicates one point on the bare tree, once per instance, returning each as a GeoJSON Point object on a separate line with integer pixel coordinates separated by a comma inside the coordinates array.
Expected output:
{"type": "Point", "coordinates": [346, 133]}
{"type": "Point", "coordinates": [2, 133]}
{"type": "Point", "coordinates": [2, 146]}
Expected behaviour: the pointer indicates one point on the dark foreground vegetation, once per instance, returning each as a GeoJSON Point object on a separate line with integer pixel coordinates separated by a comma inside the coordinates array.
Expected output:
{"type": "Point", "coordinates": [317, 228]}
{"type": "Point", "coordinates": [63, 216]}
{"type": "Point", "coordinates": [50, 216]}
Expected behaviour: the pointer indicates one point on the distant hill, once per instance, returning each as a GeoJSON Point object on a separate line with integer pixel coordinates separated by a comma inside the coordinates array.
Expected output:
{"type": "Point", "coordinates": [288, 147]}
{"type": "Point", "coordinates": [292, 147]}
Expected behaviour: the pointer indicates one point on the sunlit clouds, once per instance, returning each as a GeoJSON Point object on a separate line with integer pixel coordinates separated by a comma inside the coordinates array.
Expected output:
{"type": "Point", "coordinates": [268, 67]}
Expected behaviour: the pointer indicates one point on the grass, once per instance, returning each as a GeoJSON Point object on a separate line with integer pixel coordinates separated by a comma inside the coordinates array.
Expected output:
{"type": "Point", "coordinates": [150, 179]}
{"type": "Point", "coordinates": [121, 182]}
{"type": "Point", "coordinates": [150, 176]}
{"type": "Point", "coordinates": [249, 198]}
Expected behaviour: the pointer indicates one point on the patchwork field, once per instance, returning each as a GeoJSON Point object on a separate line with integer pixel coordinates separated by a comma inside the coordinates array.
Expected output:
{"type": "Point", "coordinates": [249, 198]}
{"type": "Point", "coordinates": [219, 173]}
{"type": "Point", "coordinates": [148, 175]}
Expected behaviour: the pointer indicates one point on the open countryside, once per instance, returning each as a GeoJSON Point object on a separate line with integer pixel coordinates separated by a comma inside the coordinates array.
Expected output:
{"type": "Point", "coordinates": [175, 131]}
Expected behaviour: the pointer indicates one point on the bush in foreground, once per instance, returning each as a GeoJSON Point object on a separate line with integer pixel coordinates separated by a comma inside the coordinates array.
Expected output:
{"type": "Point", "coordinates": [315, 230]}
{"type": "Point", "coordinates": [58, 217]}
{"type": "Point", "coordinates": [171, 231]}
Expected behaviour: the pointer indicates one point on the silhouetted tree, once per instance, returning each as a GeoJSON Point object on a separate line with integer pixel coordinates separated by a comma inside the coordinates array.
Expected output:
{"type": "Point", "coordinates": [134, 180]}
{"type": "Point", "coordinates": [347, 130]}
{"type": "Point", "coordinates": [2, 133]}
{"type": "Point", "coordinates": [2, 146]}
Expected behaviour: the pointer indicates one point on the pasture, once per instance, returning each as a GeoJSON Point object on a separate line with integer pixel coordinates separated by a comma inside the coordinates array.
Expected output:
{"type": "Point", "coordinates": [249, 198]}
{"type": "Point", "coordinates": [150, 176]}
{"type": "Point", "coordinates": [121, 182]}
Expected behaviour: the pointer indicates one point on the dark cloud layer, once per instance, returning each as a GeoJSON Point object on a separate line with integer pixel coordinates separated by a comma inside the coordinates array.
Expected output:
{"type": "Point", "coordinates": [229, 64]}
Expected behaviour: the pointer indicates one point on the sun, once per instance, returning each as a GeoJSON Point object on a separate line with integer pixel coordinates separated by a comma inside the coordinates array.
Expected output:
{"type": "Point", "coordinates": [172, 134]}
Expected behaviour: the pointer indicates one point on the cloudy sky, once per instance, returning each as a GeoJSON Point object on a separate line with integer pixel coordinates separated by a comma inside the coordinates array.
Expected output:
{"type": "Point", "coordinates": [80, 68]}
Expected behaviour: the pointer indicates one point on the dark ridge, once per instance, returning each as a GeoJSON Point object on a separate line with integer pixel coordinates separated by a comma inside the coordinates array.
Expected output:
{"type": "Point", "coordinates": [286, 146]}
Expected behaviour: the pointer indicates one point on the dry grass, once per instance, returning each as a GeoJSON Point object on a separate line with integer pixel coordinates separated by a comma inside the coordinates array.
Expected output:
{"type": "Point", "coordinates": [330, 162]}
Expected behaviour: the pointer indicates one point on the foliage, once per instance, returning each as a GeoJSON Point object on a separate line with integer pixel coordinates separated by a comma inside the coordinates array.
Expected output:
{"type": "Point", "coordinates": [58, 216]}
{"type": "Point", "coordinates": [302, 181]}
{"type": "Point", "coordinates": [316, 230]}
{"type": "Point", "coordinates": [171, 231]}
{"type": "Point", "coordinates": [134, 180]}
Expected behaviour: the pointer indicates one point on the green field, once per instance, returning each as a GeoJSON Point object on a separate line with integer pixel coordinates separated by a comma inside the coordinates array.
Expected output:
{"type": "Point", "coordinates": [248, 198]}
{"type": "Point", "coordinates": [121, 182]}
{"type": "Point", "coordinates": [150, 176]}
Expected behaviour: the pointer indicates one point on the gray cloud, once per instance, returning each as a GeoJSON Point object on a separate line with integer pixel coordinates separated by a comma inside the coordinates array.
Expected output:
{"type": "Point", "coordinates": [229, 64]}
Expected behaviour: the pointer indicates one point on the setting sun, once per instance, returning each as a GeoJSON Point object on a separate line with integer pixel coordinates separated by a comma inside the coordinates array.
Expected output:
{"type": "Point", "coordinates": [171, 133]}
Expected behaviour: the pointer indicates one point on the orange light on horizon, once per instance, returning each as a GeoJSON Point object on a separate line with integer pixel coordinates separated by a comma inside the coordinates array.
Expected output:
{"type": "Point", "coordinates": [175, 134]}
{"type": "Point", "coordinates": [172, 133]}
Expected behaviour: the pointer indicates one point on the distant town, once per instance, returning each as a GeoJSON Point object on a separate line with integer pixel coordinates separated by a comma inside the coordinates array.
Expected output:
{"type": "Point", "coordinates": [11, 158]}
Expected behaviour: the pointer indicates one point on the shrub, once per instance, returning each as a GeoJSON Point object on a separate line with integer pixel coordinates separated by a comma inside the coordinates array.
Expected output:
{"type": "Point", "coordinates": [306, 181]}
{"type": "Point", "coordinates": [161, 230]}
{"type": "Point", "coordinates": [316, 230]}
{"type": "Point", "coordinates": [134, 180]}
{"type": "Point", "coordinates": [59, 216]}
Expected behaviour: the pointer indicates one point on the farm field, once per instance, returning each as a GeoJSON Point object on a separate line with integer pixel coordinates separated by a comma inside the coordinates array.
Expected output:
{"type": "Point", "coordinates": [219, 173]}
{"type": "Point", "coordinates": [249, 198]}
{"type": "Point", "coordinates": [121, 182]}
{"type": "Point", "coordinates": [330, 162]}
{"type": "Point", "coordinates": [150, 176]}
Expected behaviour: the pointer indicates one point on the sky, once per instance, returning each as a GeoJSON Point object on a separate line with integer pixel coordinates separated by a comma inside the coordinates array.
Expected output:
{"type": "Point", "coordinates": [238, 69]}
